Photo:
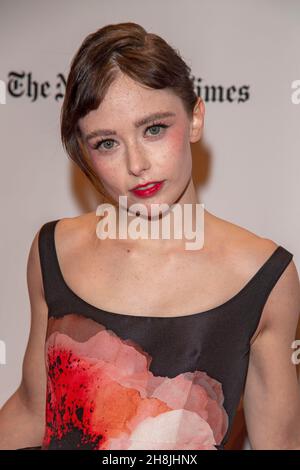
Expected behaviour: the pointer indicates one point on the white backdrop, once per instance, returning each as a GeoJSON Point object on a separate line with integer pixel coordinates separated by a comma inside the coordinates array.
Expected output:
{"type": "Point", "coordinates": [254, 144]}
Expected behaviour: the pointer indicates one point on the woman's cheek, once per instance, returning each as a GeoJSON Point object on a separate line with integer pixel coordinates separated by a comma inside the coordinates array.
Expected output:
{"type": "Point", "coordinates": [177, 141]}
{"type": "Point", "coordinates": [104, 172]}
{"type": "Point", "coordinates": [100, 166]}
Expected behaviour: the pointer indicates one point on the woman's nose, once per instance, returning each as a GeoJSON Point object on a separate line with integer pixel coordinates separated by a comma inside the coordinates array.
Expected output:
{"type": "Point", "coordinates": [137, 161]}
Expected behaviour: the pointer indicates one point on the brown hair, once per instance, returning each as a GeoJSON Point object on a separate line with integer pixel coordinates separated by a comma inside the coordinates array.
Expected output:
{"type": "Point", "coordinates": [125, 47]}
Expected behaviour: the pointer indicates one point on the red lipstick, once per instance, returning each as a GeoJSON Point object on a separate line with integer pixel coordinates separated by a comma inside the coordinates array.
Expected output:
{"type": "Point", "coordinates": [149, 190]}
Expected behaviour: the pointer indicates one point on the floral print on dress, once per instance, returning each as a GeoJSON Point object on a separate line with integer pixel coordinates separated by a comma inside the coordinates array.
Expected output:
{"type": "Point", "coordinates": [101, 395]}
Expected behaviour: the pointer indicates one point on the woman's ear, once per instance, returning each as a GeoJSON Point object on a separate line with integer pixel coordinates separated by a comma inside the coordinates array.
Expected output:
{"type": "Point", "coordinates": [197, 122]}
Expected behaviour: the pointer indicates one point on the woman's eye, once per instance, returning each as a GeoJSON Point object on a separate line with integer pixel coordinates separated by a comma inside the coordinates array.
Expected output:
{"type": "Point", "coordinates": [157, 127]}
{"type": "Point", "coordinates": [102, 144]}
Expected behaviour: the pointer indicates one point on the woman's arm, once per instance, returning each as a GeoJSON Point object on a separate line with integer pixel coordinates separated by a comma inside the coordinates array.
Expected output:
{"type": "Point", "coordinates": [272, 392]}
{"type": "Point", "coordinates": [22, 416]}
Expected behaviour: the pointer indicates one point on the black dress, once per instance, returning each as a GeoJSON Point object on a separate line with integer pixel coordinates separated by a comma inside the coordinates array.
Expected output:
{"type": "Point", "coordinates": [117, 381]}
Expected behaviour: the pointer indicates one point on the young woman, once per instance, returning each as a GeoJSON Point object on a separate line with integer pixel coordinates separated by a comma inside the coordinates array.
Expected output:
{"type": "Point", "coordinates": [150, 345]}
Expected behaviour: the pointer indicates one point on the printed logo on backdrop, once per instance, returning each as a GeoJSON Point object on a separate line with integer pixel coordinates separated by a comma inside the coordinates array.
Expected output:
{"type": "Point", "coordinates": [22, 84]}
{"type": "Point", "coordinates": [220, 93]}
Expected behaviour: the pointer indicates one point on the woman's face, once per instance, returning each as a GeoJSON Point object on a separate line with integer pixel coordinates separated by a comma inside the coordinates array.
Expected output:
{"type": "Point", "coordinates": [125, 154]}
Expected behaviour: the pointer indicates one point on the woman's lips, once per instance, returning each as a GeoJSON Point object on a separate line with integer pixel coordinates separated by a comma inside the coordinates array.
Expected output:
{"type": "Point", "coordinates": [149, 191]}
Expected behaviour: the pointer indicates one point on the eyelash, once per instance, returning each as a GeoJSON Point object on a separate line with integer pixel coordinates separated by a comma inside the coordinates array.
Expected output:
{"type": "Point", "coordinates": [156, 124]}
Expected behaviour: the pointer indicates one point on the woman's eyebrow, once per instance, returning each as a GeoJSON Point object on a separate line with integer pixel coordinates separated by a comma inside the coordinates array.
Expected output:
{"type": "Point", "coordinates": [139, 123]}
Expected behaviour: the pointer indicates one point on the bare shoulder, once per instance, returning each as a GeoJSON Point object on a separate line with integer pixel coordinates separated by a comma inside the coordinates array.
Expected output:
{"type": "Point", "coordinates": [72, 232]}
{"type": "Point", "coordinates": [247, 252]}
{"type": "Point", "coordinates": [244, 249]}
